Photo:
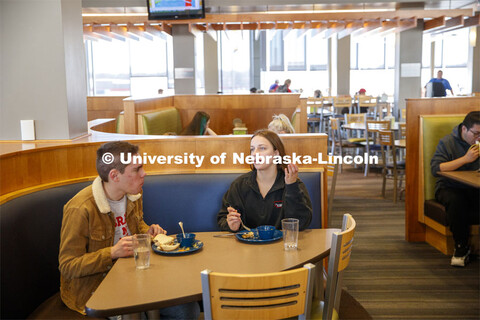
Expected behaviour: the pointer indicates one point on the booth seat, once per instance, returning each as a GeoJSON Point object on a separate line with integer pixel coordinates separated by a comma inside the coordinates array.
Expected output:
{"type": "Point", "coordinates": [30, 232]}
{"type": "Point", "coordinates": [435, 217]}
{"type": "Point", "coordinates": [156, 122]}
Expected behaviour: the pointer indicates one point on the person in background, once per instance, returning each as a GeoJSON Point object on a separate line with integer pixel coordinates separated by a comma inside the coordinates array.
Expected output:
{"type": "Point", "coordinates": [281, 124]}
{"type": "Point", "coordinates": [267, 194]}
{"type": "Point", "coordinates": [199, 126]}
{"type": "Point", "coordinates": [284, 87]}
{"type": "Point", "coordinates": [317, 94]}
{"type": "Point", "coordinates": [160, 91]}
{"type": "Point", "coordinates": [459, 151]}
{"type": "Point", "coordinates": [253, 90]}
{"type": "Point", "coordinates": [446, 85]}
{"type": "Point", "coordinates": [273, 87]}
{"type": "Point", "coordinates": [98, 227]}
{"type": "Point", "coordinates": [361, 92]}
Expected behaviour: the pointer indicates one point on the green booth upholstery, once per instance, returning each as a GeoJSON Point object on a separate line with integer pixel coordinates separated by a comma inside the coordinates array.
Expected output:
{"type": "Point", "coordinates": [433, 129]}
{"type": "Point", "coordinates": [156, 122]}
{"type": "Point", "coordinates": [161, 121]}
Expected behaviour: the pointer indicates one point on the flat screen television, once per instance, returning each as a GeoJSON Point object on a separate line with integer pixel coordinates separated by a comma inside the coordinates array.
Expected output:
{"type": "Point", "coordinates": [175, 9]}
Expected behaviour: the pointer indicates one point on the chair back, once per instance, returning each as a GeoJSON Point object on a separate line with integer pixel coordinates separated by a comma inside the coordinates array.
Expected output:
{"type": "Point", "coordinates": [339, 259]}
{"type": "Point", "coordinates": [366, 101]}
{"type": "Point", "coordinates": [332, 171]}
{"type": "Point", "coordinates": [355, 118]}
{"type": "Point", "coordinates": [314, 103]}
{"type": "Point", "coordinates": [403, 130]}
{"type": "Point", "coordinates": [387, 143]}
{"type": "Point", "coordinates": [258, 296]}
{"type": "Point", "coordinates": [342, 101]}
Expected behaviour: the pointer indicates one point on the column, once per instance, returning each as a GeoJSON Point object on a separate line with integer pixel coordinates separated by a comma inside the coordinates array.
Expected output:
{"type": "Point", "coordinates": [408, 62]}
{"type": "Point", "coordinates": [42, 68]}
{"type": "Point", "coordinates": [474, 66]}
{"type": "Point", "coordinates": [188, 60]}
{"type": "Point", "coordinates": [211, 63]}
{"type": "Point", "coordinates": [343, 66]}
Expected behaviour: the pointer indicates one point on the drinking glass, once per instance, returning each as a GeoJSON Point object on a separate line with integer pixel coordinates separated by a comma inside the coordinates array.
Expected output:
{"type": "Point", "coordinates": [290, 233]}
{"type": "Point", "coordinates": [141, 250]}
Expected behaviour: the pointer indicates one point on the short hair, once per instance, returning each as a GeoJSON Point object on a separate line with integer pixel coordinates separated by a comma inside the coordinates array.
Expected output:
{"type": "Point", "coordinates": [281, 123]}
{"type": "Point", "coordinates": [288, 81]}
{"type": "Point", "coordinates": [276, 142]}
{"type": "Point", "coordinates": [253, 90]}
{"type": "Point", "coordinates": [471, 119]}
{"type": "Point", "coordinates": [115, 148]}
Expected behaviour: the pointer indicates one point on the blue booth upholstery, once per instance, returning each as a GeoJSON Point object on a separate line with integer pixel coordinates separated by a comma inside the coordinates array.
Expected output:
{"type": "Point", "coordinates": [30, 228]}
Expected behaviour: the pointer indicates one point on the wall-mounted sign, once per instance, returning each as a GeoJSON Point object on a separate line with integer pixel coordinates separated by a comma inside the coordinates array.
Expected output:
{"type": "Point", "coordinates": [184, 73]}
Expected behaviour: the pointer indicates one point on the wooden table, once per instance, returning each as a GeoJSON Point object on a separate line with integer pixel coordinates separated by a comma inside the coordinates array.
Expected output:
{"type": "Point", "coordinates": [471, 178]}
{"type": "Point", "coordinates": [173, 280]}
{"type": "Point", "coordinates": [401, 143]}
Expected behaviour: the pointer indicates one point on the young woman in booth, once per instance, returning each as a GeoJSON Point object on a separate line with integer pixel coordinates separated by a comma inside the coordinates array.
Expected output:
{"type": "Point", "coordinates": [267, 194]}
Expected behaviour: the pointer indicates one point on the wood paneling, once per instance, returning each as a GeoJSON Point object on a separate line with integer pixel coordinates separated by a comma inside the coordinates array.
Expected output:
{"type": "Point", "coordinates": [255, 110]}
{"type": "Point", "coordinates": [104, 107]}
{"type": "Point", "coordinates": [54, 164]}
{"type": "Point", "coordinates": [414, 230]}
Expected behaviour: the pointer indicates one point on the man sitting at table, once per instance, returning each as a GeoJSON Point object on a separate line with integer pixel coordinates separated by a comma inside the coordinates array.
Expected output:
{"type": "Point", "coordinates": [97, 228]}
{"type": "Point", "coordinates": [459, 151]}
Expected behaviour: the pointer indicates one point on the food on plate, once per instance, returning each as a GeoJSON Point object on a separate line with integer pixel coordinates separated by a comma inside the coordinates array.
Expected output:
{"type": "Point", "coordinates": [165, 242]}
{"type": "Point", "coordinates": [248, 235]}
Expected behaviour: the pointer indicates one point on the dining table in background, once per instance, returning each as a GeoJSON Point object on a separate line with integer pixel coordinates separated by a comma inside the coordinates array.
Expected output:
{"type": "Point", "coordinates": [471, 178]}
{"type": "Point", "coordinates": [175, 279]}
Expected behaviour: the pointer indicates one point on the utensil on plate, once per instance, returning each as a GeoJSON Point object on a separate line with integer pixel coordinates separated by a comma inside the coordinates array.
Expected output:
{"type": "Point", "coordinates": [181, 226]}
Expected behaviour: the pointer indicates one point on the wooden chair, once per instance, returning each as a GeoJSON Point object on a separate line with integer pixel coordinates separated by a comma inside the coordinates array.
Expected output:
{"type": "Point", "coordinates": [332, 171]}
{"type": "Point", "coordinates": [366, 102]}
{"type": "Point", "coordinates": [392, 169]}
{"type": "Point", "coordinates": [403, 130]}
{"type": "Point", "coordinates": [372, 143]}
{"type": "Point", "coordinates": [355, 118]}
{"type": "Point", "coordinates": [340, 102]}
{"type": "Point", "coordinates": [258, 296]}
{"type": "Point", "coordinates": [338, 143]}
{"type": "Point", "coordinates": [338, 261]}
{"type": "Point", "coordinates": [313, 104]}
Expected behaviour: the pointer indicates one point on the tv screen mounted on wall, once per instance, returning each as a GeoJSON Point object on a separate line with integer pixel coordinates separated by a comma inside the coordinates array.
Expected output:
{"type": "Point", "coordinates": [175, 9]}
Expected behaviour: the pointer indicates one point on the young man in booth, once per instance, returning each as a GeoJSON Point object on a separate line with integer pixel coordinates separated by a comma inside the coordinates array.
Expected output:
{"type": "Point", "coordinates": [98, 227]}
{"type": "Point", "coordinates": [459, 151]}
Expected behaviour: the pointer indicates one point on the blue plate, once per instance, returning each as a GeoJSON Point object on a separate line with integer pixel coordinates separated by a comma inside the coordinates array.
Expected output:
{"type": "Point", "coordinates": [197, 245]}
{"type": "Point", "coordinates": [277, 235]}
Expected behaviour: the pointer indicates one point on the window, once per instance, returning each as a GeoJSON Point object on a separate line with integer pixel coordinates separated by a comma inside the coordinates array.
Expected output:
{"type": "Point", "coordinates": [317, 53]}
{"type": "Point", "coordinates": [276, 50]}
{"type": "Point", "coordinates": [235, 61]}
{"type": "Point", "coordinates": [295, 47]}
{"type": "Point", "coordinates": [130, 67]}
{"type": "Point", "coordinates": [371, 53]}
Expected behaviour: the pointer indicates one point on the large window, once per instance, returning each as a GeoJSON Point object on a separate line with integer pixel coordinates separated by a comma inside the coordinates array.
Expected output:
{"type": "Point", "coordinates": [372, 64]}
{"type": "Point", "coordinates": [124, 68]}
{"type": "Point", "coordinates": [299, 55]}
{"type": "Point", "coordinates": [235, 61]}
{"type": "Point", "coordinates": [451, 56]}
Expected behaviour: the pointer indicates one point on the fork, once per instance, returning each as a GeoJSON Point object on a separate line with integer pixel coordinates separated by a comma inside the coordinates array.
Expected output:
{"type": "Point", "coordinates": [243, 225]}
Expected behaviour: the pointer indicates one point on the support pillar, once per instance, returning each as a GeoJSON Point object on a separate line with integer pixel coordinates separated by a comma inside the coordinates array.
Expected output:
{"type": "Point", "coordinates": [42, 68]}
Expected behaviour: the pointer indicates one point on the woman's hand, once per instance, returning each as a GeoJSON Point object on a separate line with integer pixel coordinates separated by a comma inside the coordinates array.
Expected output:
{"type": "Point", "coordinates": [291, 174]}
{"type": "Point", "coordinates": [155, 229]}
{"type": "Point", "coordinates": [233, 219]}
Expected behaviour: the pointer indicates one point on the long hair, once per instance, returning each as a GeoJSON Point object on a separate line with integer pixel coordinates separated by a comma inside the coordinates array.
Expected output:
{"type": "Point", "coordinates": [276, 142]}
{"type": "Point", "coordinates": [281, 123]}
{"type": "Point", "coordinates": [197, 126]}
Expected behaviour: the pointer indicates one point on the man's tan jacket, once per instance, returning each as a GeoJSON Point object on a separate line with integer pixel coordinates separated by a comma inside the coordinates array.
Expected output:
{"type": "Point", "coordinates": [86, 238]}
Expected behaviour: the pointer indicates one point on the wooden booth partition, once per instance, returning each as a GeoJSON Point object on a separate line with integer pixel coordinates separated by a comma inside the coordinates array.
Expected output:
{"type": "Point", "coordinates": [104, 107]}
{"type": "Point", "coordinates": [255, 110]}
{"type": "Point", "coordinates": [415, 229]}
{"type": "Point", "coordinates": [39, 168]}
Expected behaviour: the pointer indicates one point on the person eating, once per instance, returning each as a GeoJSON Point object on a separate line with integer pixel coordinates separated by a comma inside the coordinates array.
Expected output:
{"type": "Point", "coordinates": [268, 193]}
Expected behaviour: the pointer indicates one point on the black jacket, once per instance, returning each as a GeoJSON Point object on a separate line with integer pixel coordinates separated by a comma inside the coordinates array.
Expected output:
{"type": "Point", "coordinates": [449, 148]}
{"type": "Point", "coordinates": [282, 201]}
